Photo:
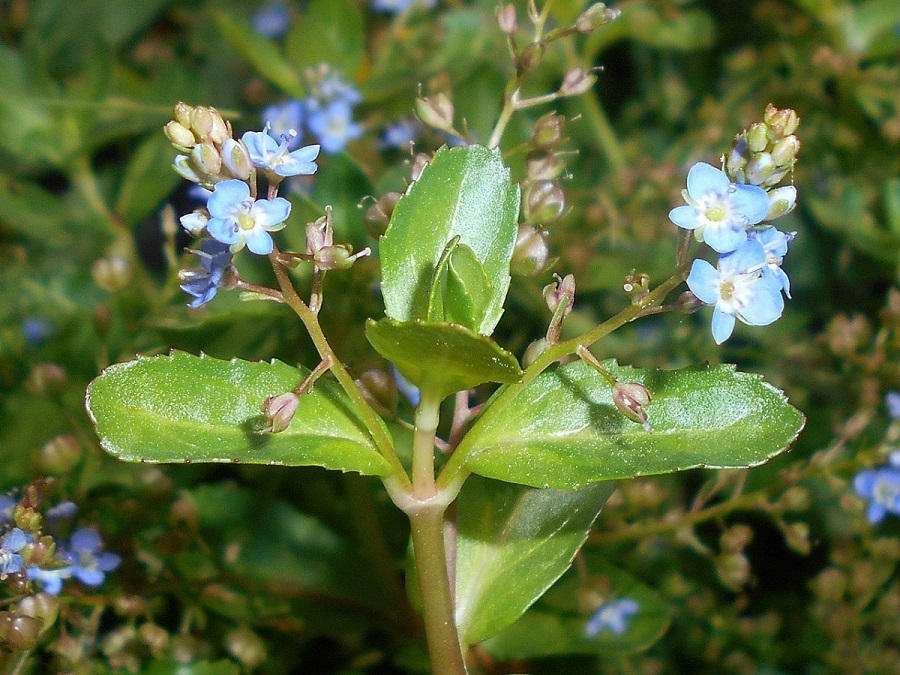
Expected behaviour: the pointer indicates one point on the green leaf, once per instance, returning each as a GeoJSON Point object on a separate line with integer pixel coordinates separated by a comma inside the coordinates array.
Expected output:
{"type": "Point", "coordinates": [460, 290]}
{"type": "Point", "coordinates": [513, 543]}
{"type": "Point", "coordinates": [443, 356]}
{"type": "Point", "coordinates": [184, 408]}
{"type": "Point", "coordinates": [148, 179]}
{"type": "Point", "coordinates": [332, 32]}
{"type": "Point", "coordinates": [463, 192]}
{"type": "Point", "coordinates": [563, 430]}
{"type": "Point", "coordinates": [559, 617]}
{"type": "Point", "coordinates": [265, 57]}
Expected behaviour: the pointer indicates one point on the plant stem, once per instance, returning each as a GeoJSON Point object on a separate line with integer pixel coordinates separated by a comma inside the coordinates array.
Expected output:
{"type": "Point", "coordinates": [427, 522]}
{"type": "Point", "coordinates": [427, 418]}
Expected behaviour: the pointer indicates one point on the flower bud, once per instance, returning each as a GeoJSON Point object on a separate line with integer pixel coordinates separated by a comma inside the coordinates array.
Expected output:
{"type": "Point", "coordinates": [688, 303]}
{"type": "Point", "coordinates": [246, 646]}
{"type": "Point", "coordinates": [594, 17]}
{"type": "Point", "coordinates": [781, 202]}
{"type": "Point", "coordinates": [378, 215]}
{"type": "Point", "coordinates": [782, 122]}
{"type": "Point", "coordinates": [111, 274]}
{"type": "Point", "coordinates": [733, 569]}
{"type": "Point", "coordinates": [577, 82]}
{"type": "Point", "coordinates": [531, 56]}
{"type": "Point", "coordinates": [379, 388]}
{"type": "Point", "coordinates": [506, 17]}
{"type": "Point", "coordinates": [202, 122]}
{"type": "Point", "coordinates": [420, 161]}
{"type": "Point", "coordinates": [319, 233]}
{"type": "Point", "coordinates": [180, 136]}
{"type": "Point", "coordinates": [736, 538]}
{"type": "Point", "coordinates": [195, 222]}
{"type": "Point", "coordinates": [785, 151]}
{"type": "Point", "coordinates": [206, 160]}
{"type": "Point", "coordinates": [534, 350]}
{"type": "Point", "coordinates": [531, 254]}
{"type": "Point", "coordinates": [41, 606]}
{"type": "Point", "coordinates": [759, 168]}
{"type": "Point", "coordinates": [279, 411]}
{"type": "Point", "coordinates": [47, 379]}
{"type": "Point", "coordinates": [236, 158]}
{"type": "Point", "coordinates": [60, 455]}
{"type": "Point", "coordinates": [559, 291]}
{"type": "Point", "coordinates": [155, 637]}
{"type": "Point", "coordinates": [543, 165]}
{"type": "Point", "coordinates": [630, 398]}
{"type": "Point", "coordinates": [219, 132]}
{"type": "Point", "coordinates": [544, 202]}
{"type": "Point", "coordinates": [549, 131]}
{"type": "Point", "coordinates": [757, 137]}
{"type": "Point", "coordinates": [436, 111]}
{"type": "Point", "coordinates": [796, 536]}
{"type": "Point", "coordinates": [795, 499]}
{"type": "Point", "coordinates": [637, 285]}
{"type": "Point", "coordinates": [337, 257]}
{"type": "Point", "coordinates": [20, 633]}
{"type": "Point", "coordinates": [182, 114]}
{"type": "Point", "coordinates": [184, 169]}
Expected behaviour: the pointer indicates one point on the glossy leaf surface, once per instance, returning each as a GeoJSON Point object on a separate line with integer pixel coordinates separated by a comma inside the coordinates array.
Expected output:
{"type": "Point", "coordinates": [463, 192]}
{"type": "Point", "coordinates": [448, 357]}
{"type": "Point", "coordinates": [564, 431]}
{"type": "Point", "coordinates": [513, 543]}
{"type": "Point", "coordinates": [184, 408]}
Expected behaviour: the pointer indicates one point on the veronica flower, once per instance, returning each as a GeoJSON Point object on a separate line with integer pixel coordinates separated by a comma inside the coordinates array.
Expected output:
{"type": "Point", "coordinates": [775, 244]}
{"type": "Point", "coordinates": [738, 289]}
{"type": "Point", "coordinates": [882, 487]}
{"type": "Point", "coordinates": [333, 126]}
{"type": "Point", "coordinates": [271, 20]}
{"type": "Point", "coordinates": [89, 564]}
{"type": "Point", "coordinates": [283, 118]}
{"type": "Point", "coordinates": [717, 210]}
{"type": "Point", "coordinates": [266, 153]}
{"type": "Point", "coordinates": [237, 219]}
{"type": "Point", "coordinates": [10, 545]}
{"type": "Point", "coordinates": [612, 615]}
{"type": "Point", "coordinates": [203, 284]}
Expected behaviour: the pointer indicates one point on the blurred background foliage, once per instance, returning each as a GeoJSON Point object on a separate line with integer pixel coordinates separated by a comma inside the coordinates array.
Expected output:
{"type": "Point", "coordinates": [231, 569]}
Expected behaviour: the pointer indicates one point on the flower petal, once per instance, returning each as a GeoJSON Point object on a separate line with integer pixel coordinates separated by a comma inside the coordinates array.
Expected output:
{"type": "Point", "coordinates": [724, 238]}
{"type": "Point", "coordinates": [704, 282]}
{"type": "Point", "coordinates": [226, 195]}
{"type": "Point", "coordinates": [722, 325]}
{"type": "Point", "coordinates": [225, 231]}
{"type": "Point", "coordinates": [259, 241]}
{"type": "Point", "coordinates": [705, 179]}
{"type": "Point", "coordinates": [765, 306]}
{"type": "Point", "coordinates": [270, 213]}
{"type": "Point", "coordinates": [684, 216]}
{"type": "Point", "coordinates": [751, 201]}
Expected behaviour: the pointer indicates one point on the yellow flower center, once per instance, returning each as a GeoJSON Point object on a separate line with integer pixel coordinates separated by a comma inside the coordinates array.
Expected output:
{"type": "Point", "coordinates": [727, 290]}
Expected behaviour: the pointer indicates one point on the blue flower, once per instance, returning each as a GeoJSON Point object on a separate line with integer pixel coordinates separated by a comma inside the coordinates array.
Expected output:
{"type": "Point", "coordinates": [51, 580]}
{"type": "Point", "coordinates": [7, 504]}
{"type": "Point", "coordinates": [397, 6]}
{"type": "Point", "coordinates": [718, 210]}
{"type": "Point", "coordinates": [333, 88]}
{"type": "Point", "coordinates": [283, 118]}
{"type": "Point", "coordinates": [882, 487]}
{"type": "Point", "coordinates": [738, 288]}
{"type": "Point", "coordinates": [36, 330]}
{"type": "Point", "coordinates": [10, 545]}
{"type": "Point", "coordinates": [88, 563]}
{"type": "Point", "coordinates": [237, 219]}
{"type": "Point", "coordinates": [333, 126]}
{"type": "Point", "coordinates": [401, 133]}
{"type": "Point", "coordinates": [267, 153]}
{"type": "Point", "coordinates": [612, 615]}
{"type": "Point", "coordinates": [271, 20]}
{"type": "Point", "coordinates": [204, 284]}
{"type": "Point", "coordinates": [775, 244]}
{"type": "Point", "coordinates": [892, 400]}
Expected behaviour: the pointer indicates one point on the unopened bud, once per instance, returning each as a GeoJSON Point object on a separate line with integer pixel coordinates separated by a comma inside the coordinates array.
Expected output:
{"type": "Point", "coordinates": [531, 254]}
{"type": "Point", "coordinates": [436, 111]}
{"type": "Point", "coordinates": [577, 82]}
{"type": "Point", "coordinates": [246, 646]}
{"type": "Point", "coordinates": [279, 411]}
{"type": "Point", "coordinates": [757, 137]}
{"type": "Point", "coordinates": [60, 455]}
{"type": "Point", "coordinates": [781, 202]}
{"type": "Point", "coordinates": [111, 274]}
{"type": "Point", "coordinates": [236, 158]}
{"type": "Point", "coordinates": [630, 398]}
{"type": "Point", "coordinates": [531, 56]}
{"type": "Point", "coordinates": [549, 131]}
{"type": "Point", "coordinates": [637, 285]}
{"type": "Point", "coordinates": [319, 233]}
{"type": "Point", "coordinates": [219, 132]}
{"type": "Point", "coordinates": [736, 538]}
{"type": "Point", "coordinates": [420, 161]}
{"type": "Point", "coordinates": [41, 606]}
{"type": "Point", "coordinates": [783, 122]}
{"type": "Point", "coordinates": [543, 165]}
{"type": "Point", "coordinates": [796, 536]}
{"type": "Point", "coordinates": [506, 17]}
{"type": "Point", "coordinates": [184, 169]}
{"type": "Point", "coordinates": [534, 350]}
{"type": "Point", "coordinates": [182, 114]}
{"type": "Point", "coordinates": [561, 290]}
{"type": "Point", "coordinates": [785, 151]}
{"type": "Point", "coordinates": [47, 379]}
{"type": "Point", "coordinates": [759, 168]}
{"type": "Point", "coordinates": [206, 160]}
{"type": "Point", "coordinates": [202, 122]}
{"type": "Point", "coordinates": [594, 17]}
{"type": "Point", "coordinates": [155, 637]}
{"type": "Point", "coordinates": [733, 569]}
{"type": "Point", "coordinates": [195, 222]}
{"type": "Point", "coordinates": [688, 303]}
{"type": "Point", "coordinates": [19, 632]}
{"type": "Point", "coordinates": [379, 388]}
{"type": "Point", "coordinates": [180, 136]}
{"type": "Point", "coordinates": [378, 215]}
{"type": "Point", "coordinates": [338, 257]}
{"type": "Point", "coordinates": [544, 202]}
{"type": "Point", "coordinates": [795, 499]}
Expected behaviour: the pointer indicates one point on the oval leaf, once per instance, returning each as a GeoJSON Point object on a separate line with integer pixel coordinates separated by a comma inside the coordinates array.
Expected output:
{"type": "Point", "coordinates": [184, 408]}
{"type": "Point", "coordinates": [513, 543]}
{"type": "Point", "coordinates": [564, 431]}
{"type": "Point", "coordinates": [462, 191]}
{"type": "Point", "coordinates": [443, 356]}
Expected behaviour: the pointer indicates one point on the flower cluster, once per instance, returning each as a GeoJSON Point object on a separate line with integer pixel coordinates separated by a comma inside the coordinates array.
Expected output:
{"type": "Point", "coordinates": [326, 114]}
{"type": "Point", "coordinates": [731, 213]}
{"type": "Point", "coordinates": [882, 487]}
{"type": "Point", "coordinates": [612, 615]}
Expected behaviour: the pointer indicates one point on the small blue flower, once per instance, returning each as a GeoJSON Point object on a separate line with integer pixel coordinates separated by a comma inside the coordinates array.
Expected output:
{"type": "Point", "coordinates": [612, 615]}
{"type": "Point", "coordinates": [718, 210]}
{"type": "Point", "coordinates": [267, 153]}
{"type": "Point", "coordinates": [333, 126]}
{"type": "Point", "coordinates": [882, 486]}
{"type": "Point", "coordinates": [203, 284]}
{"type": "Point", "coordinates": [775, 244]}
{"type": "Point", "coordinates": [333, 88]}
{"type": "Point", "coordinates": [61, 514]}
{"type": "Point", "coordinates": [36, 330]}
{"type": "Point", "coordinates": [397, 6]}
{"type": "Point", "coordinates": [892, 400]}
{"type": "Point", "coordinates": [401, 133]}
{"type": "Point", "coordinates": [7, 504]}
{"type": "Point", "coordinates": [237, 219]}
{"type": "Point", "coordinates": [10, 545]}
{"type": "Point", "coordinates": [51, 580]}
{"type": "Point", "coordinates": [271, 20]}
{"type": "Point", "coordinates": [88, 563]}
{"type": "Point", "coordinates": [283, 118]}
{"type": "Point", "coordinates": [738, 289]}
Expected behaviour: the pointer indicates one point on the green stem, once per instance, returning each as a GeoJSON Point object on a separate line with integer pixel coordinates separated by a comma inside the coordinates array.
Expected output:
{"type": "Point", "coordinates": [427, 417]}
{"type": "Point", "coordinates": [454, 472]}
{"type": "Point", "coordinates": [427, 521]}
